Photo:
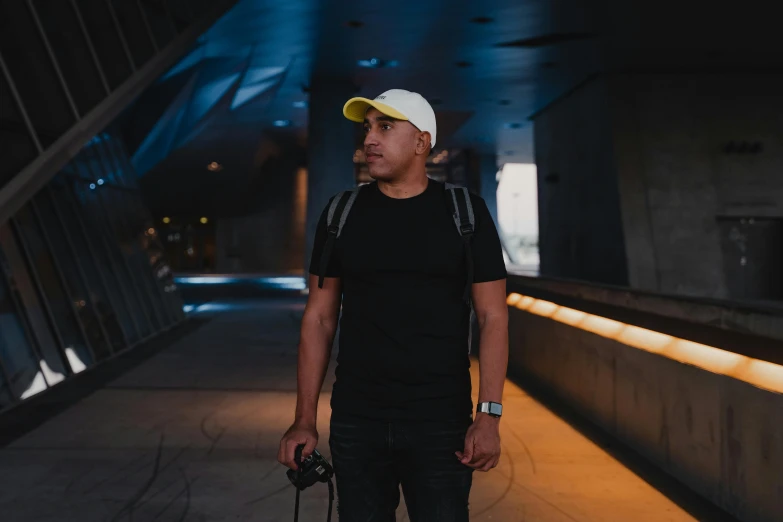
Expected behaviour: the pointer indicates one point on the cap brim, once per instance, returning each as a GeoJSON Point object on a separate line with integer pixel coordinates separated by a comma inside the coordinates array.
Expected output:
{"type": "Point", "coordinates": [355, 109]}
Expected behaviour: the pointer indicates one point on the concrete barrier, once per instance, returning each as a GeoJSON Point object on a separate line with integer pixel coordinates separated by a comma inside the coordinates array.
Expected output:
{"type": "Point", "coordinates": [762, 319]}
{"type": "Point", "coordinates": [721, 437]}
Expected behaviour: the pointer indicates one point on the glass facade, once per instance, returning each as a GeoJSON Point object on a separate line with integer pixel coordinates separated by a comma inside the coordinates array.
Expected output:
{"type": "Point", "coordinates": [59, 59]}
{"type": "Point", "coordinates": [82, 274]}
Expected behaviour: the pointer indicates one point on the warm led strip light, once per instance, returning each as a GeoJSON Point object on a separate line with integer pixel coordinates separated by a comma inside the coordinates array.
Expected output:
{"type": "Point", "coordinates": [759, 373]}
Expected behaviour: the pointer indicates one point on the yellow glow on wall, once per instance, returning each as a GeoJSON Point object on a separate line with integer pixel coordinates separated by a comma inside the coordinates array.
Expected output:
{"type": "Point", "coordinates": [759, 373]}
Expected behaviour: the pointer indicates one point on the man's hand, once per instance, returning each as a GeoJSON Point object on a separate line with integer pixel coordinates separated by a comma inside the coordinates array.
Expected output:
{"type": "Point", "coordinates": [482, 443]}
{"type": "Point", "coordinates": [297, 434]}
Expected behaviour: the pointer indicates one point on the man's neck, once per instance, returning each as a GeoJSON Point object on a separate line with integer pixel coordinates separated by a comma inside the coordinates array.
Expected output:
{"type": "Point", "coordinates": [406, 187]}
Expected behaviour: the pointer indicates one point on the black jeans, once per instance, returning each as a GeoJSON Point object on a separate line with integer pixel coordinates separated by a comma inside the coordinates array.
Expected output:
{"type": "Point", "coordinates": [372, 459]}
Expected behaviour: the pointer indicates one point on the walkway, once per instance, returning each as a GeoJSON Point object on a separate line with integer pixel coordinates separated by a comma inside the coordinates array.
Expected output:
{"type": "Point", "coordinates": [192, 434]}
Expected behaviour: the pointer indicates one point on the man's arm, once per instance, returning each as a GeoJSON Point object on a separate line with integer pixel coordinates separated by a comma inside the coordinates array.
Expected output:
{"type": "Point", "coordinates": [319, 325]}
{"type": "Point", "coordinates": [489, 301]}
{"type": "Point", "coordinates": [482, 442]}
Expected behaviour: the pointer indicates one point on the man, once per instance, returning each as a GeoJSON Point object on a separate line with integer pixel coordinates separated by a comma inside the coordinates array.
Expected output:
{"type": "Point", "coordinates": [402, 411]}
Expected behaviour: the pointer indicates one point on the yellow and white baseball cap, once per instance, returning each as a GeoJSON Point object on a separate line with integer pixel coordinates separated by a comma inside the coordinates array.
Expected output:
{"type": "Point", "coordinates": [399, 104]}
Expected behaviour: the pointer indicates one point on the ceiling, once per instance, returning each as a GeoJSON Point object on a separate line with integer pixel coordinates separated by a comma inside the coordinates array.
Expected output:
{"type": "Point", "coordinates": [486, 66]}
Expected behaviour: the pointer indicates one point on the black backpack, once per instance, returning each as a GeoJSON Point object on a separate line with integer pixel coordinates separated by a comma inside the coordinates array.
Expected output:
{"type": "Point", "coordinates": [461, 211]}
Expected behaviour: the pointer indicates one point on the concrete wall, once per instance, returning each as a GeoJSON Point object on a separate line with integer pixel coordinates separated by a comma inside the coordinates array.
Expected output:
{"type": "Point", "coordinates": [270, 240]}
{"type": "Point", "coordinates": [684, 151]}
{"type": "Point", "coordinates": [677, 173]}
{"type": "Point", "coordinates": [721, 437]}
{"type": "Point", "coordinates": [580, 232]}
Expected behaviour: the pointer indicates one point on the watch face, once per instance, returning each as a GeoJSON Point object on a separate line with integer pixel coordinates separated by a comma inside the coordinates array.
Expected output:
{"type": "Point", "coordinates": [491, 408]}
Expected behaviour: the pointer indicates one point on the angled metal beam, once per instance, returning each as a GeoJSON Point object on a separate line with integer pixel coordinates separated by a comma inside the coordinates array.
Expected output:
{"type": "Point", "coordinates": [32, 178]}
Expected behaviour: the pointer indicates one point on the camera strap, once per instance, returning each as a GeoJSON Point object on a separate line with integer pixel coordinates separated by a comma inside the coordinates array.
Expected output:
{"type": "Point", "coordinates": [296, 505]}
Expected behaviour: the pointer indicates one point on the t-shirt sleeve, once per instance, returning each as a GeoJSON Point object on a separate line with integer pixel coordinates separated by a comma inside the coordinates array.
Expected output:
{"type": "Point", "coordinates": [488, 262]}
{"type": "Point", "coordinates": [333, 270]}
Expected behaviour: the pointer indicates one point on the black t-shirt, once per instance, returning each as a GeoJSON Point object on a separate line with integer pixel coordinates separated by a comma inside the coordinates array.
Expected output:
{"type": "Point", "coordinates": [403, 345]}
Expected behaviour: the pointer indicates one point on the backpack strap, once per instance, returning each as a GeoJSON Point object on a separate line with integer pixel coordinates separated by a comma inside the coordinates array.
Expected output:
{"type": "Point", "coordinates": [335, 221]}
{"type": "Point", "coordinates": [465, 221]}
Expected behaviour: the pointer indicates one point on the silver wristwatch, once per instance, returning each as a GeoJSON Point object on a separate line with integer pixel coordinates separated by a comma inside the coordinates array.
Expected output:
{"type": "Point", "coordinates": [493, 409]}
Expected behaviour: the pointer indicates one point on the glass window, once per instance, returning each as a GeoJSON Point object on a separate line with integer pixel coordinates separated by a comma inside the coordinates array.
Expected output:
{"type": "Point", "coordinates": [126, 174]}
{"type": "Point", "coordinates": [60, 303]}
{"type": "Point", "coordinates": [106, 40]}
{"type": "Point", "coordinates": [159, 21]}
{"type": "Point", "coordinates": [103, 287]}
{"type": "Point", "coordinates": [151, 243]}
{"type": "Point", "coordinates": [134, 30]}
{"type": "Point", "coordinates": [72, 52]}
{"type": "Point", "coordinates": [33, 72]}
{"type": "Point", "coordinates": [73, 276]}
{"type": "Point", "coordinates": [110, 254]}
{"type": "Point", "coordinates": [129, 221]}
{"type": "Point", "coordinates": [155, 259]}
{"type": "Point", "coordinates": [141, 235]}
{"type": "Point", "coordinates": [18, 146]}
{"type": "Point", "coordinates": [109, 164]}
{"type": "Point", "coordinates": [21, 373]}
{"type": "Point", "coordinates": [5, 392]}
{"type": "Point", "coordinates": [181, 12]}
{"type": "Point", "coordinates": [53, 369]}
{"type": "Point", "coordinates": [117, 214]}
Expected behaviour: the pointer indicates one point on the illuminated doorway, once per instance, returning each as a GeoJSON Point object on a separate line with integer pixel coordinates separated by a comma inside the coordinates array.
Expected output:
{"type": "Point", "coordinates": [518, 216]}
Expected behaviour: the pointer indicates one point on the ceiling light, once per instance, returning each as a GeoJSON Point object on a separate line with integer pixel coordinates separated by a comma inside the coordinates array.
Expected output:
{"type": "Point", "coordinates": [300, 104]}
{"type": "Point", "coordinates": [355, 24]}
{"type": "Point", "coordinates": [167, 220]}
{"type": "Point", "coordinates": [204, 221]}
{"type": "Point", "coordinates": [377, 63]}
{"type": "Point", "coordinates": [504, 102]}
{"type": "Point", "coordinates": [92, 186]}
{"type": "Point", "coordinates": [463, 64]}
{"type": "Point", "coordinates": [513, 125]}
{"type": "Point", "coordinates": [100, 182]}
{"type": "Point", "coordinates": [214, 167]}
{"type": "Point", "coordinates": [282, 123]}
{"type": "Point", "coordinates": [509, 153]}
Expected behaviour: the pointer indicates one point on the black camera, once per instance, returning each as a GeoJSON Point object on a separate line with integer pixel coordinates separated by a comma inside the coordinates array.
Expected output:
{"type": "Point", "coordinates": [314, 468]}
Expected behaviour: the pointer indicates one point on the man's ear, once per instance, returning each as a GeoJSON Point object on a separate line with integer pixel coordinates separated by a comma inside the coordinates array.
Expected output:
{"type": "Point", "coordinates": [423, 143]}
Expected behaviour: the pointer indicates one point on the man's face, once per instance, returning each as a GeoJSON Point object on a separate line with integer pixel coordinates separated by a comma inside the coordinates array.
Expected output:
{"type": "Point", "coordinates": [389, 145]}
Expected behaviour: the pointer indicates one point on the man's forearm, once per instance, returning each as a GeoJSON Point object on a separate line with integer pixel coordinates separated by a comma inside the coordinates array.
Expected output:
{"type": "Point", "coordinates": [315, 348]}
{"type": "Point", "coordinates": [493, 356]}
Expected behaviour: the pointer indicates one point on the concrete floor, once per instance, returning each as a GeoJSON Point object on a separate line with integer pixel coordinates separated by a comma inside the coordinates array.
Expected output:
{"type": "Point", "coordinates": [192, 434]}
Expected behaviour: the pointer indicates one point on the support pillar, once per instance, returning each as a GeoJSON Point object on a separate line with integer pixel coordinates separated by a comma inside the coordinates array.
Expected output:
{"type": "Point", "coordinates": [488, 171]}
{"type": "Point", "coordinates": [330, 148]}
